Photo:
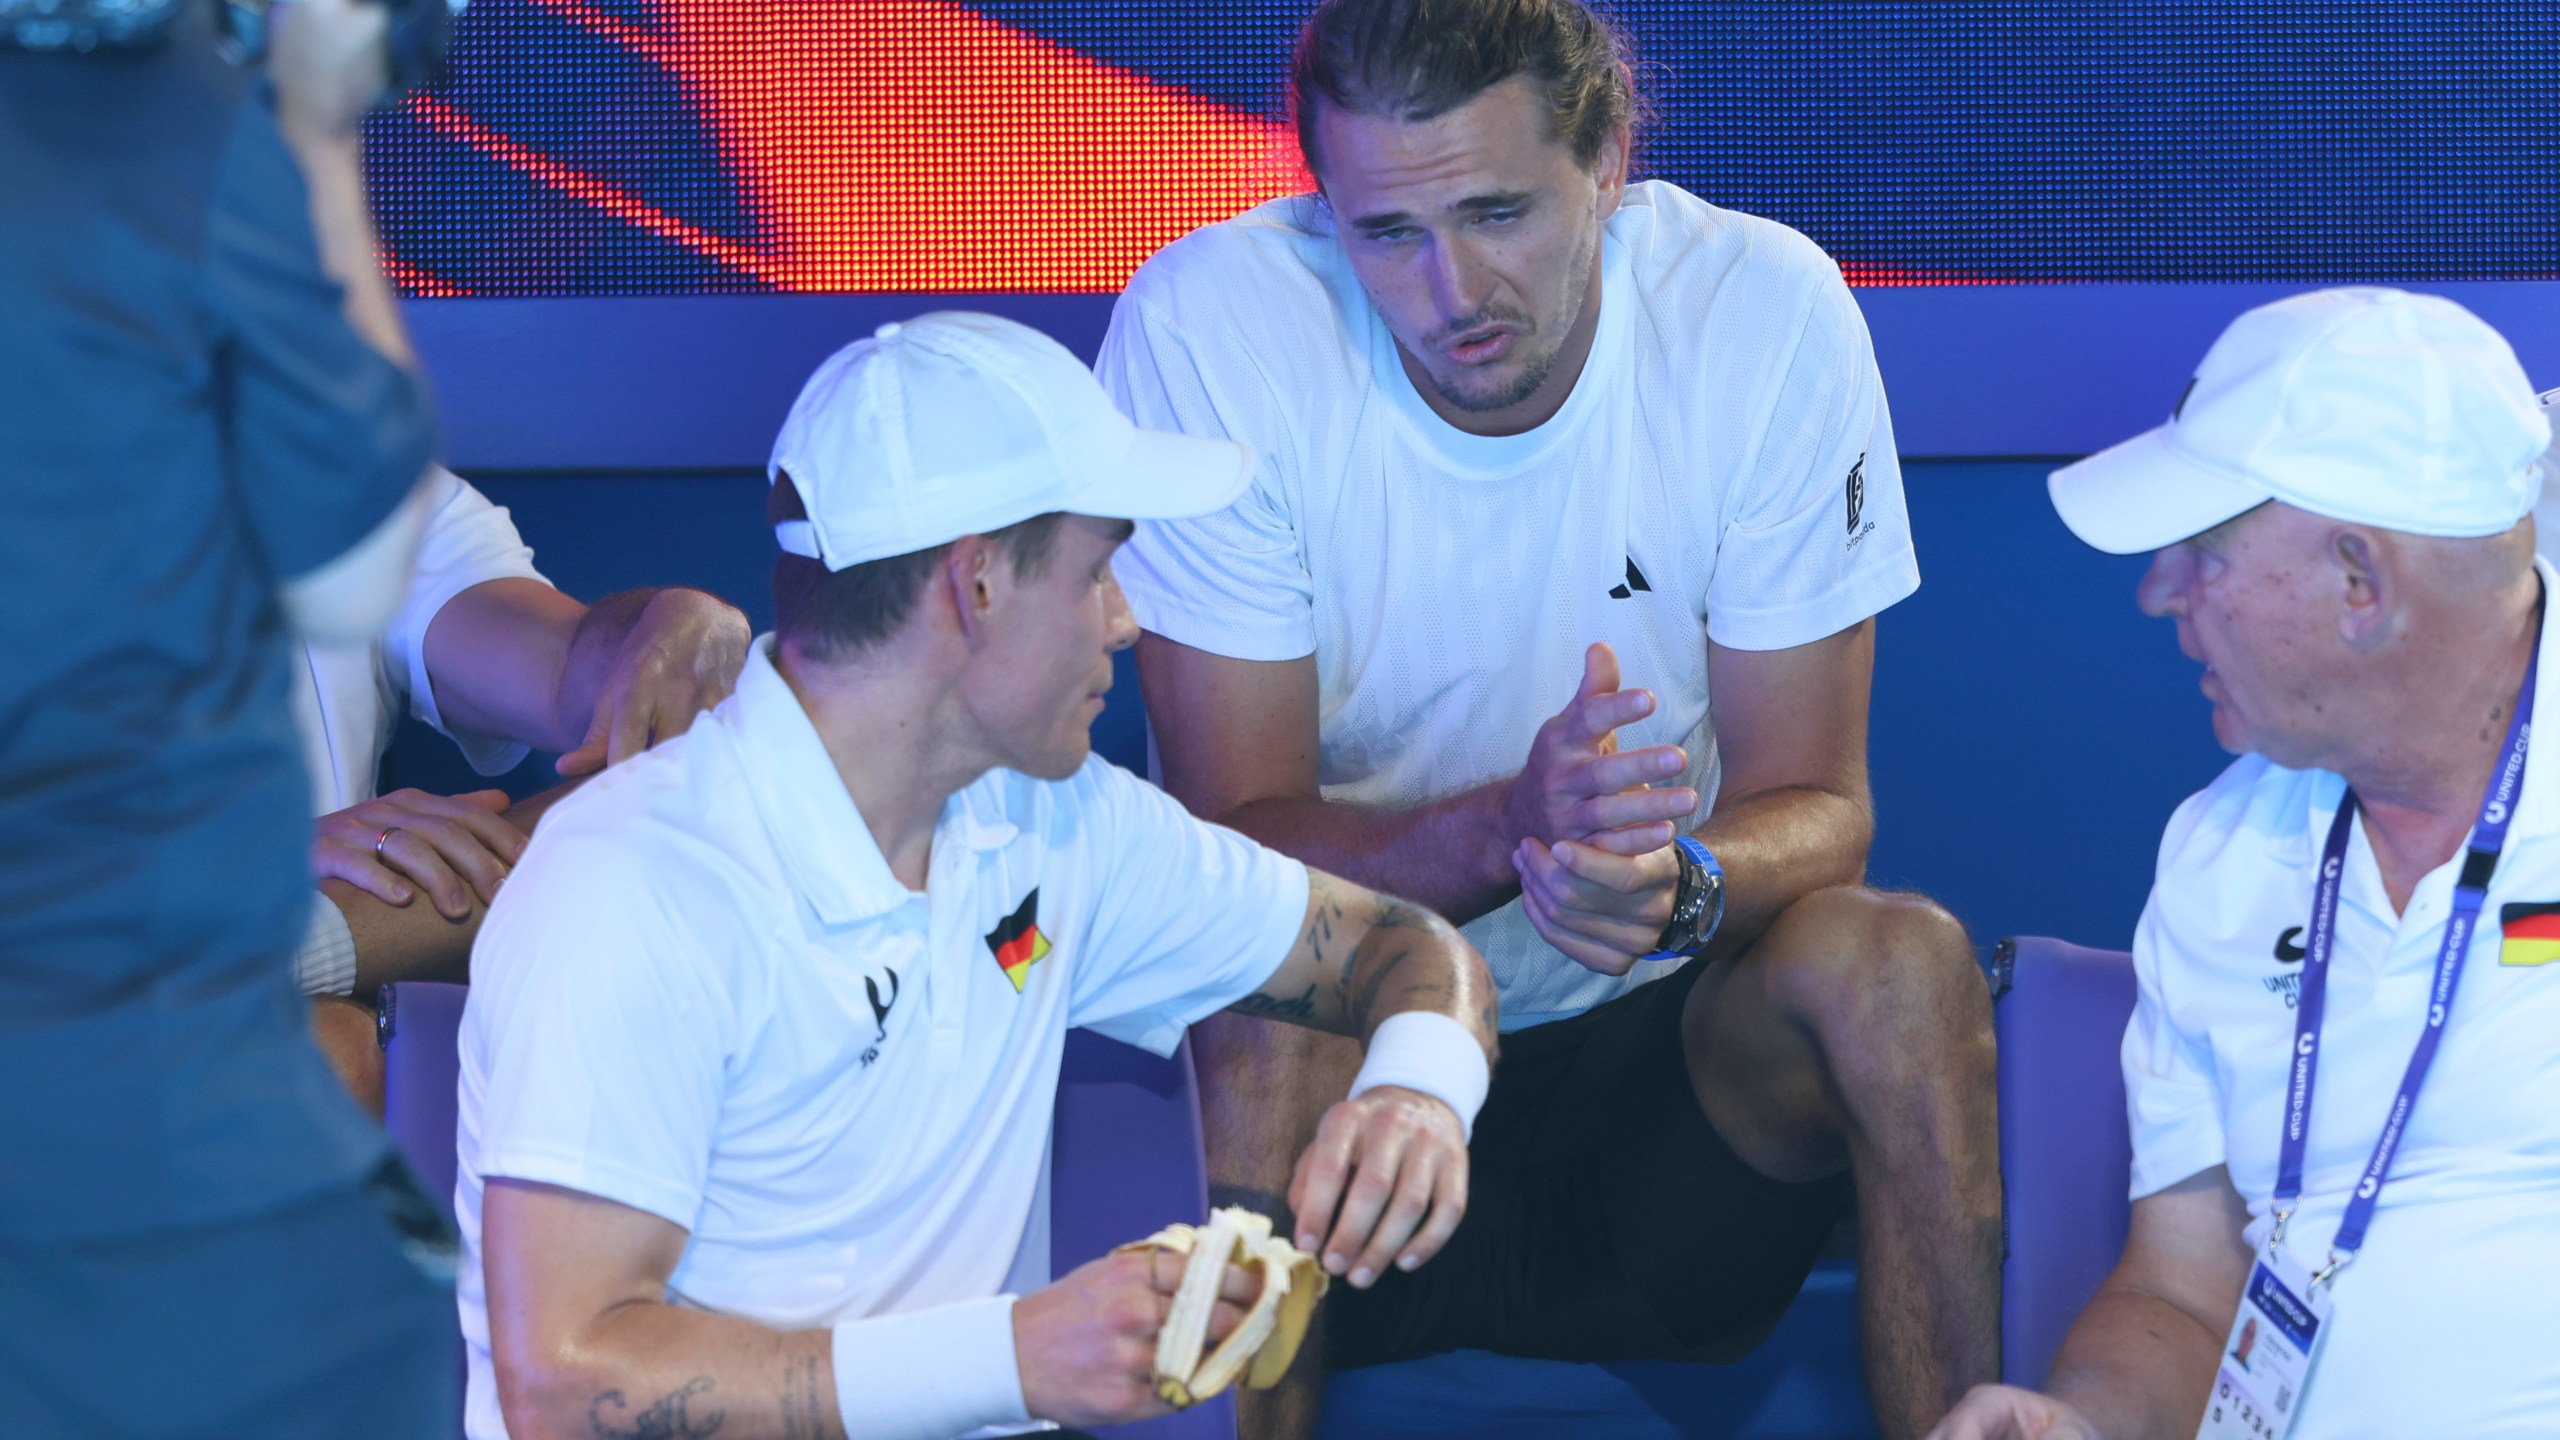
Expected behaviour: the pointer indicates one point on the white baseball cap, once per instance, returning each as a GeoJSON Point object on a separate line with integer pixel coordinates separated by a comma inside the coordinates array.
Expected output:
{"type": "Point", "coordinates": [957, 423]}
{"type": "Point", "coordinates": [2374, 406]}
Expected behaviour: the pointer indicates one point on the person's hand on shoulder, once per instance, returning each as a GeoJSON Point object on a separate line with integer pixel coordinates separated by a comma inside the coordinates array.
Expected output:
{"type": "Point", "coordinates": [2005, 1412]}
{"type": "Point", "coordinates": [680, 657]}
{"type": "Point", "coordinates": [1086, 1344]}
{"type": "Point", "coordinates": [1393, 1163]}
{"type": "Point", "coordinates": [456, 847]}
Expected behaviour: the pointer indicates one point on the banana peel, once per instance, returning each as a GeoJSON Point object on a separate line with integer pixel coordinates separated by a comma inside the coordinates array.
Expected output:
{"type": "Point", "coordinates": [1266, 1339]}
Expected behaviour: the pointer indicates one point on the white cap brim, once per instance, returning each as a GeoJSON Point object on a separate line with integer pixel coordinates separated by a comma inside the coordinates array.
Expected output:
{"type": "Point", "coordinates": [1167, 476]}
{"type": "Point", "coordinates": [2147, 493]}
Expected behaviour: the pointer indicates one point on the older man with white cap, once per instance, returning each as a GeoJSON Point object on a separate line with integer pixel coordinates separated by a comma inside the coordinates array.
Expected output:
{"type": "Point", "coordinates": [764, 1032]}
{"type": "Point", "coordinates": [2344, 1069]}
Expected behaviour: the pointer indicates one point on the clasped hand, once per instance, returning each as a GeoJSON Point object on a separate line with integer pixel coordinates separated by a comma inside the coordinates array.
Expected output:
{"type": "Point", "coordinates": [1597, 873]}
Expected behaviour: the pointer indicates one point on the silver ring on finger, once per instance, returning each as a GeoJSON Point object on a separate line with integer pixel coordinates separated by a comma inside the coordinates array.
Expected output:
{"type": "Point", "coordinates": [380, 840]}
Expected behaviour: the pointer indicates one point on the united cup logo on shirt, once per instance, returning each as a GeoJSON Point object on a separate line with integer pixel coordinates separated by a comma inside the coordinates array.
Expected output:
{"type": "Point", "coordinates": [1017, 941]}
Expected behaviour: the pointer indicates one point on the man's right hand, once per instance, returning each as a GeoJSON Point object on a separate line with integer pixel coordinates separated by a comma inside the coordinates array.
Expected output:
{"type": "Point", "coordinates": [1087, 1344]}
{"type": "Point", "coordinates": [2004, 1412]}
{"type": "Point", "coordinates": [1579, 786]}
{"type": "Point", "coordinates": [456, 847]}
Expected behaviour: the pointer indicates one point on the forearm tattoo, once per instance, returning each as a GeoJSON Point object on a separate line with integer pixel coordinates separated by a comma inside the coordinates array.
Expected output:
{"type": "Point", "coordinates": [671, 1418]}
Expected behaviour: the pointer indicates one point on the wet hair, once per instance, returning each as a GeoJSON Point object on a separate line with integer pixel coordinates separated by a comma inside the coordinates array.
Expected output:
{"type": "Point", "coordinates": [833, 614]}
{"type": "Point", "coordinates": [1418, 59]}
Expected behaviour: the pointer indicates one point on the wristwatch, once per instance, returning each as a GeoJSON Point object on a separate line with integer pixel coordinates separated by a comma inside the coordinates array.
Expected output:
{"type": "Point", "coordinates": [1697, 907]}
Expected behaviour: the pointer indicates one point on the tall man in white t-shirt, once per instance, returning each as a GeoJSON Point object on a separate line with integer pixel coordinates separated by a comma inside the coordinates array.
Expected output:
{"type": "Point", "coordinates": [1528, 433]}
{"type": "Point", "coordinates": [764, 1034]}
{"type": "Point", "coordinates": [2340, 509]}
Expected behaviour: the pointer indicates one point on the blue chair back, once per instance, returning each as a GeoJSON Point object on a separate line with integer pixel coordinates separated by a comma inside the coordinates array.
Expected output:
{"type": "Point", "coordinates": [2066, 1151]}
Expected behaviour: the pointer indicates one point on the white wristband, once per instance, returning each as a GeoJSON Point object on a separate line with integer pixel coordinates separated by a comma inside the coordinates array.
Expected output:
{"type": "Point", "coordinates": [326, 963]}
{"type": "Point", "coordinates": [929, 1374]}
{"type": "Point", "coordinates": [1426, 1051]}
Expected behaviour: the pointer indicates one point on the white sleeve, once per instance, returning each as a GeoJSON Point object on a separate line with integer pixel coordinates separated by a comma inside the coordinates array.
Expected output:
{"type": "Point", "coordinates": [601, 1033]}
{"type": "Point", "coordinates": [2170, 1101]}
{"type": "Point", "coordinates": [1189, 916]}
{"type": "Point", "coordinates": [1816, 538]}
{"type": "Point", "coordinates": [469, 541]}
{"type": "Point", "coordinates": [1233, 583]}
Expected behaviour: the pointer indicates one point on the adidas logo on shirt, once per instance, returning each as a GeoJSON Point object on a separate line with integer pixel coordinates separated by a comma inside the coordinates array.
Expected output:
{"type": "Point", "coordinates": [1634, 582]}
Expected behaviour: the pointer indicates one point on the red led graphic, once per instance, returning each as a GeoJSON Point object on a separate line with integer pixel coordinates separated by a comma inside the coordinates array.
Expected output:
{"type": "Point", "coordinates": [913, 145]}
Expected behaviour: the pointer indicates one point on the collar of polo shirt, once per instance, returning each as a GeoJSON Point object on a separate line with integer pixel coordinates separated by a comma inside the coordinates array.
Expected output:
{"type": "Point", "coordinates": [821, 835]}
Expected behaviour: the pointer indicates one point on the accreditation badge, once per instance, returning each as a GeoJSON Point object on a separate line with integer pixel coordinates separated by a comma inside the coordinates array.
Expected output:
{"type": "Point", "coordinates": [2266, 1360]}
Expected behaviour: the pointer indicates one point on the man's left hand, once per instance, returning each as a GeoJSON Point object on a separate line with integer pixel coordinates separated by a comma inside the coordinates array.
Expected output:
{"type": "Point", "coordinates": [1603, 910]}
{"type": "Point", "coordinates": [1395, 1162]}
{"type": "Point", "coordinates": [681, 657]}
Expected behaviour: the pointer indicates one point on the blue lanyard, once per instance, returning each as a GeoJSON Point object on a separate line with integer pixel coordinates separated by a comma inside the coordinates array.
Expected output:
{"type": "Point", "coordinates": [2470, 892]}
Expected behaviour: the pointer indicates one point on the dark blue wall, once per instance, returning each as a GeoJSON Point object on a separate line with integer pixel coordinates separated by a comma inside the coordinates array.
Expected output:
{"type": "Point", "coordinates": [2032, 730]}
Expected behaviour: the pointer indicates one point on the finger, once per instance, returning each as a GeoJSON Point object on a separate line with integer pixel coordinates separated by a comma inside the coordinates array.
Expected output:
{"type": "Point", "coordinates": [1365, 1201]}
{"type": "Point", "coordinates": [1599, 668]}
{"type": "Point", "coordinates": [1591, 721]}
{"type": "Point", "coordinates": [1448, 1207]}
{"type": "Point", "coordinates": [1585, 952]}
{"type": "Point", "coordinates": [634, 725]}
{"type": "Point", "coordinates": [1627, 769]}
{"type": "Point", "coordinates": [480, 813]}
{"type": "Point", "coordinates": [336, 860]}
{"type": "Point", "coordinates": [1223, 1319]}
{"type": "Point", "coordinates": [463, 849]}
{"type": "Point", "coordinates": [1608, 882]}
{"type": "Point", "coordinates": [1595, 813]}
{"type": "Point", "coordinates": [409, 851]}
{"type": "Point", "coordinates": [1631, 839]}
{"type": "Point", "coordinates": [1317, 1187]}
{"type": "Point", "coordinates": [1406, 1209]}
{"type": "Point", "coordinates": [588, 758]}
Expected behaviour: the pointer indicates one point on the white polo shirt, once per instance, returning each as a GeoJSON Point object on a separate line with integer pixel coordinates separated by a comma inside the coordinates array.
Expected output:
{"type": "Point", "coordinates": [2448, 1322]}
{"type": "Point", "coordinates": [1724, 469]}
{"type": "Point", "coordinates": [704, 995]}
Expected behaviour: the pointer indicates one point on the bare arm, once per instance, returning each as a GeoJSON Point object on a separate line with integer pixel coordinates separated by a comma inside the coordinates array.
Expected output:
{"type": "Point", "coordinates": [1237, 743]}
{"type": "Point", "coordinates": [1363, 957]}
{"type": "Point", "coordinates": [328, 69]}
{"type": "Point", "coordinates": [586, 1346]}
{"type": "Point", "coordinates": [2139, 1362]}
{"type": "Point", "coordinates": [518, 660]}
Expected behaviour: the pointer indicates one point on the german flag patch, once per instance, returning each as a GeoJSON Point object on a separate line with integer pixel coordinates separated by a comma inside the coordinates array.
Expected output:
{"type": "Point", "coordinates": [1019, 945]}
{"type": "Point", "coordinates": [2530, 931]}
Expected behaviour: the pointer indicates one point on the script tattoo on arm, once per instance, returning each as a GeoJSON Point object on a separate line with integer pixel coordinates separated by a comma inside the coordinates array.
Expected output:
{"type": "Point", "coordinates": [671, 1418]}
{"type": "Point", "coordinates": [803, 1416]}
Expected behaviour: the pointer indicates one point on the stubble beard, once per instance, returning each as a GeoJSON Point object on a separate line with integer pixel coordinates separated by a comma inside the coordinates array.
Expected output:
{"type": "Point", "coordinates": [1535, 369]}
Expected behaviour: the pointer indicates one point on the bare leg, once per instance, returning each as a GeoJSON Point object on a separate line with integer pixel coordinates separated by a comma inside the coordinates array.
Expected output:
{"type": "Point", "coordinates": [1263, 1088]}
{"type": "Point", "coordinates": [343, 1029]}
{"type": "Point", "coordinates": [1857, 1032]}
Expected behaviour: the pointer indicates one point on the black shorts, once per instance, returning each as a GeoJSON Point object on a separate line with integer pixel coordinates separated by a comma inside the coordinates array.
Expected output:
{"type": "Point", "coordinates": [1606, 1220]}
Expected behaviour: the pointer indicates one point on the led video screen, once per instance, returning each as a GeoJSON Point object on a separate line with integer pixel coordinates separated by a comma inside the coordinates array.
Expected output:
{"type": "Point", "coordinates": [651, 147]}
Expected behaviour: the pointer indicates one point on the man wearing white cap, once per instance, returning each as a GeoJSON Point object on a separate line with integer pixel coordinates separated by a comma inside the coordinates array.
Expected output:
{"type": "Point", "coordinates": [2343, 1073]}
{"type": "Point", "coordinates": [764, 1032]}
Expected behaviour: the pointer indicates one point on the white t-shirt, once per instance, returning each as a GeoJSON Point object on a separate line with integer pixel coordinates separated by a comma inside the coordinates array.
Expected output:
{"type": "Point", "coordinates": [1724, 468]}
{"type": "Point", "coordinates": [704, 995]}
{"type": "Point", "coordinates": [349, 699]}
{"type": "Point", "coordinates": [2448, 1322]}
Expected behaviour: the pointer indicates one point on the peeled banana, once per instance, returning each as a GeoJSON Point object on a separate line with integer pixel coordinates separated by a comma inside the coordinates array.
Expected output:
{"type": "Point", "coordinates": [1270, 1333]}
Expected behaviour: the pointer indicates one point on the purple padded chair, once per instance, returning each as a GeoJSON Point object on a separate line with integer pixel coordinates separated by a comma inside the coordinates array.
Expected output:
{"type": "Point", "coordinates": [2066, 1153]}
{"type": "Point", "coordinates": [1125, 1158]}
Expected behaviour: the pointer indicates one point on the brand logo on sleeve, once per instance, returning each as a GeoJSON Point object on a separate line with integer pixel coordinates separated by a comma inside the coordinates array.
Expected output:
{"type": "Point", "coordinates": [1017, 941]}
{"type": "Point", "coordinates": [2529, 932]}
{"type": "Point", "coordinates": [1857, 496]}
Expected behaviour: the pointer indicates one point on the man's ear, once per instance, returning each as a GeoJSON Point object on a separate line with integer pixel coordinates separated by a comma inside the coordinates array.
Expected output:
{"type": "Point", "coordinates": [974, 580]}
{"type": "Point", "coordinates": [2368, 587]}
{"type": "Point", "coordinates": [1611, 169]}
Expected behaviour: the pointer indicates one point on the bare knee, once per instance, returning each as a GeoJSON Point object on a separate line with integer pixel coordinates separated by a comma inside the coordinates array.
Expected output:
{"type": "Point", "coordinates": [1883, 973]}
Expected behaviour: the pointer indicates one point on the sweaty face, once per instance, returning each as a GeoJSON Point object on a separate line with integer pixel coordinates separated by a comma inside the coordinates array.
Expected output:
{"type": "Point", "coordinates": [1038, 683]}
{"type": "Point", "coordinates": [1477, 237]}
{"type": "Point", "coordinates": [2255, 603]}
